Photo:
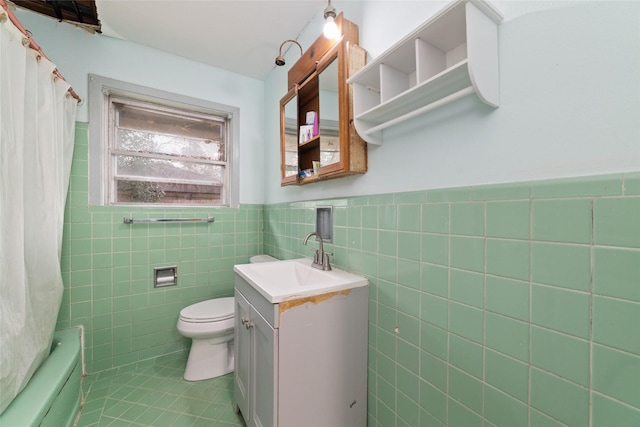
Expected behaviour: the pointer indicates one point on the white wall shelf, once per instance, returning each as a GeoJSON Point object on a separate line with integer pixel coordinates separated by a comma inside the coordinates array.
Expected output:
{"type": "Point", "coordinates": [451, 55]}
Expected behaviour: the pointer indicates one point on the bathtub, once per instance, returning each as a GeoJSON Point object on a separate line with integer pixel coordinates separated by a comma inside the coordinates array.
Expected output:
{"type": "Point", "coordinates": [52, 397]}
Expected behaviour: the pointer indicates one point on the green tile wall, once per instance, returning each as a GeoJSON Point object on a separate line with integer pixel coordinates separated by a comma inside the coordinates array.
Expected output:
{"type": "Point", "coordinates": [502, 305]}
{"type": "Point", "coordinates": [108, 269]}
{"type": "Point", "coordinates": [499, 305]}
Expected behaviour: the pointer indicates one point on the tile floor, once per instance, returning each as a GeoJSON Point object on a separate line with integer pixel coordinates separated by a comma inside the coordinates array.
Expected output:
{"type": "Point", "coordinates": [153, 393]}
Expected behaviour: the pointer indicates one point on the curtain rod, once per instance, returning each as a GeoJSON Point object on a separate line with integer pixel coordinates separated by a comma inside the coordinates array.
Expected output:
{"type": "Point", "coordinates": [33, 45]}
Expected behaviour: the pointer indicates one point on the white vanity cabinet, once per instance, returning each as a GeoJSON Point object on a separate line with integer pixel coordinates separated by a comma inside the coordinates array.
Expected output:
{"type": "Point", "coordinates": [303, 361]}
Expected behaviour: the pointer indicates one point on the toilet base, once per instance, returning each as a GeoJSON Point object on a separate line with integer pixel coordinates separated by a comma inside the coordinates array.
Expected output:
{"type": "Point", "coordinates": [208, 360]}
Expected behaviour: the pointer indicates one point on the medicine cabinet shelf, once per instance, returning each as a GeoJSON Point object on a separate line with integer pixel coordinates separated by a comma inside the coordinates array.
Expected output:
{"type": "Point", "coordinates": [450, 56]}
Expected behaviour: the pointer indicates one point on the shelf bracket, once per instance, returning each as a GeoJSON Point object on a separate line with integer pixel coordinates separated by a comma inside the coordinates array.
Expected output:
{"type": "Point", "coordinates": [434, 105]}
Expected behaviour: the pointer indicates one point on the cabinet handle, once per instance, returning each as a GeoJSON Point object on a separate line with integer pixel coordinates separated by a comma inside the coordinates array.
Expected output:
{"type": "Point", "coordinates": [247, 323]}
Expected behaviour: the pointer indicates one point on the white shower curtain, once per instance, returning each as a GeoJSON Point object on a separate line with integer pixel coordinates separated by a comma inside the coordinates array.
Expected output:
{"type": "Point", "coordinates": [37, 120]}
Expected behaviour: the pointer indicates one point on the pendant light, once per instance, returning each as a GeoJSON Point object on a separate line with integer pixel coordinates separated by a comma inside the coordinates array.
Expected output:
{"type": "Point", "coordinates": [330, 29]}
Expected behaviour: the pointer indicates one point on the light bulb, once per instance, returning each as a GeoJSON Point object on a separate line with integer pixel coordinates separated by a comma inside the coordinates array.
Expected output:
{"type": "Point", "coordinates": [330, 28]}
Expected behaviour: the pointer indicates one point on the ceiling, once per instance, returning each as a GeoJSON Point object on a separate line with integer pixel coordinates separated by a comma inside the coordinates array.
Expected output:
{"type": "Point", "coordinates": [242, 36]}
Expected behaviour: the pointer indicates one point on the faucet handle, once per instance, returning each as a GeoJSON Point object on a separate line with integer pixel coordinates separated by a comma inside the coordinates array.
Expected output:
{"type": "Point", "coordinates": [326, 265]}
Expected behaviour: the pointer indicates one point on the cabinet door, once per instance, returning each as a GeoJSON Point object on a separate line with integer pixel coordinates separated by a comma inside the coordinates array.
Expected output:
{"type": "Point", "coordinates": [289, 138]}
{"type": "Point", "coordinates": [332, 153]}
{"type": "Point", "coordinates": [264, 373]}
{"type": "Point", "coordinates": [242, 354]}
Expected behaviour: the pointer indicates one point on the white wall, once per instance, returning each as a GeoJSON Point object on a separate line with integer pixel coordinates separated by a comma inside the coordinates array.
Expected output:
{"type": "Point", "coordinates": [570, 98]}
{"type": "Point", "coordinates": [78, 53]}
{"type": "Point", "coordinates": [570, 103]}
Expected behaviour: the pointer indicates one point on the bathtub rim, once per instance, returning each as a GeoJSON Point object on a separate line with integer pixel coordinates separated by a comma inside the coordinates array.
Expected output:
{"type": "Point", "coordinates": [57, 369]}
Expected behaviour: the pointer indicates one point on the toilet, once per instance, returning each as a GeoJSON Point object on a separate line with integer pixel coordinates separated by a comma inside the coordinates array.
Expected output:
{"type": "Point", "coordinates": [210, 326]}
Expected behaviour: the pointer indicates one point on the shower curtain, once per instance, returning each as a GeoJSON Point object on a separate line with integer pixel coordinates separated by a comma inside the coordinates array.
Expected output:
{"type": "Point", "coordinates": [37, 121]}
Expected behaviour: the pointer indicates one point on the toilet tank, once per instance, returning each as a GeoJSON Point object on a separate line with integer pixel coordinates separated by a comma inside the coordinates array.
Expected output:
{"type": "Point", "coordinates": [262, 258]}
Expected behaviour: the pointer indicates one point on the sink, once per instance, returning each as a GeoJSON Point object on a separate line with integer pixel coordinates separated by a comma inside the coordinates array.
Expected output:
{"type": "Point", "coordinates": [291, 279]}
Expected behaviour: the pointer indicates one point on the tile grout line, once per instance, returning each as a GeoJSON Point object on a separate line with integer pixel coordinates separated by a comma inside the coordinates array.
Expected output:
{"type": "Point", "coordinates": [591, 288]}
{"type": "Point", "coordinates": [529, 390]}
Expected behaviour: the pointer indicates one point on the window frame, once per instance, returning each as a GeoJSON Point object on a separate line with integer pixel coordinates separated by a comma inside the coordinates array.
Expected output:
{"type": "Point", "coordinates": [101, 88]}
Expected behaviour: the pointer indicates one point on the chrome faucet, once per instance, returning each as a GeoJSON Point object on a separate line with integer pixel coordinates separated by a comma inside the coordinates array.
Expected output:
{"type": "Point", "coordinates": [320, 257]}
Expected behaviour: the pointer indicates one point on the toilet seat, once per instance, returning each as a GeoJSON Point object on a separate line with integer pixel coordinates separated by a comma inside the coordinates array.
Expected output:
{"type": "Point", "coordinates": [213, 310]}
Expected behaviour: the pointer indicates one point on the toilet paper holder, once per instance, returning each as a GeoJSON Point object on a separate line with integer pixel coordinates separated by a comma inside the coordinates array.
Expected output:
{"type": "Point", "coordinates": [165, 276]}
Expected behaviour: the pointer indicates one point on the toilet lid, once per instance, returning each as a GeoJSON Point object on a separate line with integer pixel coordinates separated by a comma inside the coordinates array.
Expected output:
{"type": "Point", "coordinates": [209, 311]}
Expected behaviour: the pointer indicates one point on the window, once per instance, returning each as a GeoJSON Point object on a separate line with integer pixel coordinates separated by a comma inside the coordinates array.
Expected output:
{"type": "Point", "coordinates": [155, 148]}
{"type": "Point", "coordinates": [162, 155]}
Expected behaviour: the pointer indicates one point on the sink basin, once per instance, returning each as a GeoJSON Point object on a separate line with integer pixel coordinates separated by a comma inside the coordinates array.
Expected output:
{"type": "Point", "coordinates": [291, 279]}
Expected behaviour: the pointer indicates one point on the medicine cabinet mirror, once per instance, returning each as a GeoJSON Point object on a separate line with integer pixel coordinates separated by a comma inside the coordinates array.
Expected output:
{"type": "Point", "coordinates": [290, 136]}
{"type": "Point", "coordinates": [317, 137]}
{"type": "Point", "coordinates": [330, 107]}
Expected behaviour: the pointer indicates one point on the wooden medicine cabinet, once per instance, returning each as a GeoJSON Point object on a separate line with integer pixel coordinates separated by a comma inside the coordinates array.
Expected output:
{"type": "Point", "coordinates": [318, 140]}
